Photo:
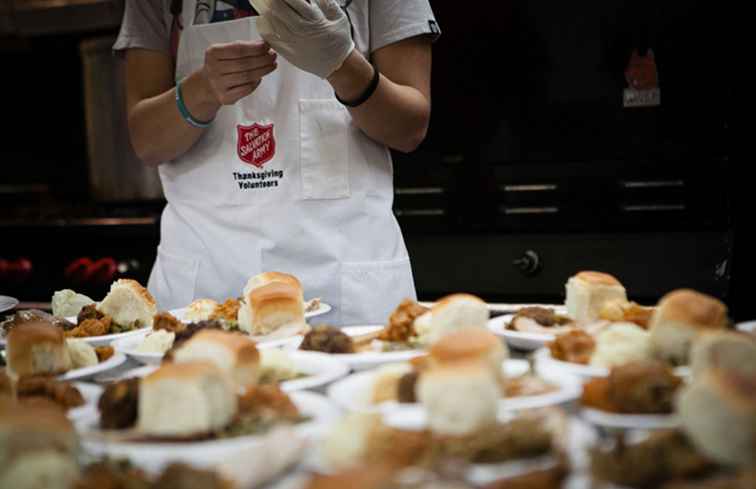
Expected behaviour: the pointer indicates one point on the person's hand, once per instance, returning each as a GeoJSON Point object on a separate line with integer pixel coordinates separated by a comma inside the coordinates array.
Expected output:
{"type": "Point", "coordinates": [315, 35]}
{"type": "Point", "coordinates": [234, 70]}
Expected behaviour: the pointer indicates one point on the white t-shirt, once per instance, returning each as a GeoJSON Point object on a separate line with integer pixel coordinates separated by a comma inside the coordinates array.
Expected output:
{"type": "Point", "coordinates": [156, 24]}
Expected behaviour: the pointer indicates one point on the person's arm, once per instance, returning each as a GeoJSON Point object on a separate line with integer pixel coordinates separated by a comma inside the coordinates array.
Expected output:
{"type": "Point", "coordinates": [158, 131]}
{"type": "Point", "coordinates": [398, 112]}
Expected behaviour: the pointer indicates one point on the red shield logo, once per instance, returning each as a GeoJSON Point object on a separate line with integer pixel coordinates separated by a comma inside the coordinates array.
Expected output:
{"type": "Point", "coordinates": [256, 144]}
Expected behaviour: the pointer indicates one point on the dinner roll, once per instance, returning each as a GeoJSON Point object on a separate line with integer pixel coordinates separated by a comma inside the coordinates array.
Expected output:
{"type": "Point", "coordinates": [36, 347]}
{"type": "Point", "coordinates": [185, 400]}
{"type": "Point", "coordinates": [233, 353]}
{"type": "Point", "coordinates": [266, 278]}
{"type": "Point", "coordinates": [38, 447]}
{"type": "Point", "coordinates": [129, 304]}
{"type": "Point", "coordinates": [370, 476]}
{"type": "Point", "coordinates": [728, 350]}
{"type": "Point", "coordinates": [453, 312]}
{"type": "Point", "coordinates": [718, 413]}
{"type": "Point", "coordinates": [589, 292]}
{"type": "Point", "coordinates": [678, 318]}
{"type": "Point", "coordinates": [621, 343]}
{"type": "Point", "coordinates": [470, 344]}
{"type": "Point", "coordinates": [274, 307]}
{"type": "Point", "coordinates": [459, 398]}
{"type": "Point", "coordinates": [200, 310]}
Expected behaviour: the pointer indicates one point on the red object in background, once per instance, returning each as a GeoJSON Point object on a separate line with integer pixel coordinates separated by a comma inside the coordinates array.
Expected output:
{"type": "Point", "coordinates": [15, 271]}
{"type": "Point", "coordinates": [85, 271]}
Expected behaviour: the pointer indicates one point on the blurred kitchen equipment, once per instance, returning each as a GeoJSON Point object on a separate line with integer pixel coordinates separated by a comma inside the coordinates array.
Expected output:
{"type": "Point", "coordinates": [115, 172]}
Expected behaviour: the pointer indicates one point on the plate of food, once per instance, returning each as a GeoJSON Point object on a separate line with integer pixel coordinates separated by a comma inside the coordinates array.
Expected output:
{"type": "Point", "coordinates": [7, 303]}
{"type": "Point", "coordinates": [636, 395]}
{"type": "Point", "coordinates": [41, 349]}
{"type": "Point", "coordinates": [713, 446]}
{"type": "Point", "coordinates": [127, 309]}
{"type": "Point", "coordinates": [531, 327]}
{"type": "Point", "coordinates": [410, 330]}
{"type": "Point", "coordinates": [394, 387]}
{"type": "Point", "coordinates": [195, 409]}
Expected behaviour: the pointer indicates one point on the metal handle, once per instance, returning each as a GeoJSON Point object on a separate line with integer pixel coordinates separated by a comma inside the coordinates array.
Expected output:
{"type": "Point", "coordinates": [529, 263]}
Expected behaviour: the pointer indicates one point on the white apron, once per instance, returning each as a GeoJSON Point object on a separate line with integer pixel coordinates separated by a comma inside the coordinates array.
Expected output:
{"type": "Point", "coordinates": [281, 181]}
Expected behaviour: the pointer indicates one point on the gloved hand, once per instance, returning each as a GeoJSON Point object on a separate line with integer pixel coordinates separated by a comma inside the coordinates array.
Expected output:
{"type": "Point", "coordinates": [313, 35]}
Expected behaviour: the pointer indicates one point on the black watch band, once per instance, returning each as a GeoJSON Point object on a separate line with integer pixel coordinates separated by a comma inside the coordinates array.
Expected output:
{"type": "Point", "coordinates": [366, 94]}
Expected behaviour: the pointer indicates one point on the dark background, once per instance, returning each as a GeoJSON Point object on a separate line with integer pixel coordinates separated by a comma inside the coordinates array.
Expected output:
{"type": "Point", "coordinates": [529, 150]}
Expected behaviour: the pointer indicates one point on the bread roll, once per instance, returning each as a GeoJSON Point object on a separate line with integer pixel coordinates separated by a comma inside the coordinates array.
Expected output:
{"type": "Point", "coordinates": [718, 413]}
{"type": "Point", "coordinates": [233, 353]}
{"type": "Point", "coordinates": [266, 278]}
{"type": "Point", "coordinates": [36, 348]}
{"type": "Point", "coordinates": [129, 304]}
{"type": "Point", "coordinates": [370, 476]}
{"type": "Point", "coordinates": [67, 303]}
{"type": "Point", "coordinates": [453, 312]}
{"type": "Point", "coordinates": [274, 307]}
{"type": "Point", "coordinates": [621, 343]}
{"type": "Point", "coordinates": [727, 350]}
{"type": "Point", "coordinates": [38, 448]}
{"type": "Point", "coordinates": [679, 317]}
{"type": "Point", "coordinates": [82, 354]}
{"type": "Point", "coordinates": [460, 398]}
{"type": "Point", "coordinates": [200, 310]}
{"type": "Point", "coordinates": [589, 292]}
{"type": "Point", "coordinates": [185, 400]}
{"type": "Point", "coordinates": [470, 344]}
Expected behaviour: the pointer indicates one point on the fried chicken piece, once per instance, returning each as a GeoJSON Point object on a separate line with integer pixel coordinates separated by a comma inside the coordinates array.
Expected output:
{"type": "Point", "coordinates": [118, 405]}
{"type": "Point", "coordinates": [643, 387]}
{"type": "Point", "coordinates": [574, 346]}
{"type": "Point", "coordinates": [166, 321]}
{"type": "Point", "coordinates": [104, 352]}
{"type": "Point", "coordinates": [264, 400]}
{"type": "Point", "coordinates": [228, 311]}
{"type": "Point", "coordinates": [91, 327]}
{"type": "Point", "coordinates": [400, 326]}
{"type": "Point", "coordinates": [64, 394]}
{"type": "Point", "coordinates": [89, 312]}
{"type": "Point", "coordinates": [627, 311]}
{"type": "Point", "coordinates": [595, 395]}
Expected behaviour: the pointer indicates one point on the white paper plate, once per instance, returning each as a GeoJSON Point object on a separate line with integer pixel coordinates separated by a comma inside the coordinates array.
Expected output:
{"type": "Point", "coordinates": [367, 360]}
{"type": "Point", "coordinates": [82, 373]}
{"type": "Point", "coordinates": [747, 326]}
{"type": "Point", "coordinates": [91, 394]}
{"type": "Point", "coordinates": [355, 392]}
{"type": "Point", "coordinates": [155, 456]}
{"type": "Point", "coordinates": [617, 421]}
{"type": "Point", "coordinates": [543, 357]}
{"type": "Point", "coordinates": [7, 303]}
{"type": "Point", "coordinates": [518, 339]}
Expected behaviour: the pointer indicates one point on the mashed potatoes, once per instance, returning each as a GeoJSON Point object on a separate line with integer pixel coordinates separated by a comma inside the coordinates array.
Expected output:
{"type": "Point", "coordinates": [67, 303]}
{"type": "Point", "coordinates": [276, 366]}
{"type": "Point", "coordinates": [621, 343]}
{"type": "Point", "coordinates": [81, 353]}
{"type": "Point", "coordinates": [159, 341]}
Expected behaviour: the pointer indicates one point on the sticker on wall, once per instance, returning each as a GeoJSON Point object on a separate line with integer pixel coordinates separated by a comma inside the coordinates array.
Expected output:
{"type": "Point", "coordinates": [642, 80]}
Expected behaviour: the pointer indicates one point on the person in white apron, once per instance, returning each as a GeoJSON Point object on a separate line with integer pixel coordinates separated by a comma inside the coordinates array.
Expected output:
{"type": "Point", "coordinates": [283, 179]}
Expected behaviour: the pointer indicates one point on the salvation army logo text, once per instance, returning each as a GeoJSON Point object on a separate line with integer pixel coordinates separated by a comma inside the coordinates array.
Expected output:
{"type": "Point", "coordinates": [256, 143]}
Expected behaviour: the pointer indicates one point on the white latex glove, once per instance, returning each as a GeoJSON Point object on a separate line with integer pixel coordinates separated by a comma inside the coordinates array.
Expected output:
{"type": "Point", "coordinates": [315, 36]}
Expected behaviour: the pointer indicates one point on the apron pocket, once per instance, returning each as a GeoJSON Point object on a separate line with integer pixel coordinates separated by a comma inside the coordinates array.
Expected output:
{"type": "Point", "coordinates": [324, 149]}
{"type": "Point", "coordinates": [173, 280]}
{"type": "Point", "coordinates": [370, 291]}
